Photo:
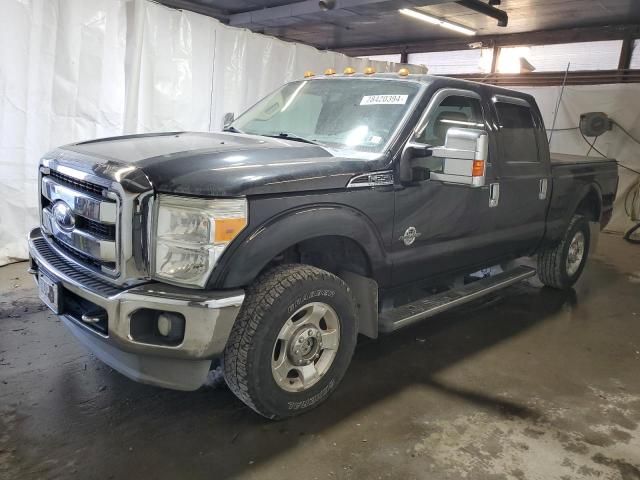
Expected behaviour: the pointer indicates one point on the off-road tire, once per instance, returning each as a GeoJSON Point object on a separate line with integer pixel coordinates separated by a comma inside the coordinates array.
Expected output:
{"type": "Point", "coordinates": [552, 262]}
{"type": "Point", "coordinates": [267, 306]}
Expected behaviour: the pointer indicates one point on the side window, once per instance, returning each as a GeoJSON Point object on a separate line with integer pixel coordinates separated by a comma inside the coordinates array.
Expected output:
{"type": "Point", "coordinates": [454, 111]}
{"type": "Point", "coordinates": [517, 133]}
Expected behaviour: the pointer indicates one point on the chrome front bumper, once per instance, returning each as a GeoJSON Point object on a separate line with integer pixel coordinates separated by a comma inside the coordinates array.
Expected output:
{"type": "Point", "coordinates": [209, 317]}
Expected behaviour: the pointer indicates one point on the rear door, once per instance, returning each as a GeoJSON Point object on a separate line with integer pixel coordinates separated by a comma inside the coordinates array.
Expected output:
{"type": "Point", "coordinates": [523, 174]}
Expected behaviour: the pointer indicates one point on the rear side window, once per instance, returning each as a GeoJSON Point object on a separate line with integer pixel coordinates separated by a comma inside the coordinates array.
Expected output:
{"type": "Point", "coordinates": [517, 133]}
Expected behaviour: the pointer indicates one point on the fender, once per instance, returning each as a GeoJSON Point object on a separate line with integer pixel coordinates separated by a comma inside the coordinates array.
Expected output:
{"type": "Point", "coordinates": [557, 227]}
{"type": "Point", "coordinates": [586, 189]}
{"type": "Point", "coordinates": [264, 242]}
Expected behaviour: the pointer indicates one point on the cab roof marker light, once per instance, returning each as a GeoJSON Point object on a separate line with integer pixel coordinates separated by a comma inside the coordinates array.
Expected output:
{"type": "Point", "coordinates": [437, 21]}
{"type": "Point", "coordinates": [369, 71]}
{"type": "Point", "coordinates": [349, 71]}
{"type": "Point", "coordinates": [329, 71]}
{"type": "Point", "coordinates": [308, 74]}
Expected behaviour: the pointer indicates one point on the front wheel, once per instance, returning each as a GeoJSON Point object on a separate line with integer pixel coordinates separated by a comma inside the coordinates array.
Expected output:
{"type": "Point", "coordinates": [292, 341]}
{"type": "Point", "coordinates": [561, 266]}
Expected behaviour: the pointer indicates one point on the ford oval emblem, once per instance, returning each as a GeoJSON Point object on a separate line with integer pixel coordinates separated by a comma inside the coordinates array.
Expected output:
{"type": "Point", "coordinates": [63, 216]}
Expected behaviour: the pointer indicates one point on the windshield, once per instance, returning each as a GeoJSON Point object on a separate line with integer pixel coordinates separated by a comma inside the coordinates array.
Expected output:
{"type": "Point", "coordinates": [359, 114]}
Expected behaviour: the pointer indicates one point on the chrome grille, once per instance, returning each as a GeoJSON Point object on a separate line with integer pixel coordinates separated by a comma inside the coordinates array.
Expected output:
{"type": "Point", "coordinates": [97, 228]}
{"type": "Point", "coordinates": [81, 185]}
{"type": "Point", "coordinates": [89, 230]}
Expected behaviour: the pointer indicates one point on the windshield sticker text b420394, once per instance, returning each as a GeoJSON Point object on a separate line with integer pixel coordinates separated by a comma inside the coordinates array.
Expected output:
{"type": "Point", "coordinates": [384, 100]}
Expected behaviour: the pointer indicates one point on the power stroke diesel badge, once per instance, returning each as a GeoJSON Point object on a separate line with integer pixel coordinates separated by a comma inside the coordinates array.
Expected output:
{"type": "Point", "coordinates": [410, 235]}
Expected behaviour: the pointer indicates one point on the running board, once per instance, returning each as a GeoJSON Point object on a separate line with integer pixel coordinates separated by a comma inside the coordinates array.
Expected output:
{"type": "Point", "coordinates": [396, 318]}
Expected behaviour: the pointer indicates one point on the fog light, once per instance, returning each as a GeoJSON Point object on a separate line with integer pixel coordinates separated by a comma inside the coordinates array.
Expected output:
{"type": "Point", "coordinates": [164, 324]}
{"type": "Point", "coordinates": [170, 325]}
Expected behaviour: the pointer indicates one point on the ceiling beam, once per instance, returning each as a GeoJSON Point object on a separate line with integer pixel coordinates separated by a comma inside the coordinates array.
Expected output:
{"type": "Point", "coordinates": [265, 16]}
{"type": "Point", "coordinates": [193, 6]}
{"type": "Point", "coordinates": [486, 9]}
{"type": "Point", "coordinates": [541, 37]}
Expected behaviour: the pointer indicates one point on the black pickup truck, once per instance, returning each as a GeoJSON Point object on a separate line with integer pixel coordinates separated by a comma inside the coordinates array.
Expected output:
{"type": "Point", "coordinates": [335, 206]}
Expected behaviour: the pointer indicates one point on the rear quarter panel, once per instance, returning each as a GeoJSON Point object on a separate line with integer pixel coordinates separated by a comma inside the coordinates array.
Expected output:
{"type": "Point", "coordinates": [571, 182]}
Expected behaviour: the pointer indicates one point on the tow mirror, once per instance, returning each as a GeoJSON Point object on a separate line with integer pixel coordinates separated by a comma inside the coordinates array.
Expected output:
{"type": "Point", "coordinates": [409, 171]}
{"type": "Point", "coordinates": [464, 157]}
{"type": "Point", "coordinates": [229, 117]}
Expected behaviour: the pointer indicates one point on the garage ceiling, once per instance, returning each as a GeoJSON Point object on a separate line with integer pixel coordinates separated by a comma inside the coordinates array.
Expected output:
{"type": "Point", "coordinates": [368, 23]}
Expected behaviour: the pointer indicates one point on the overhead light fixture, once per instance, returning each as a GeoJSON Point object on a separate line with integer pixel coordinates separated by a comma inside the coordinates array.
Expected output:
{"type": "Point", "coordinates": [437, 21]}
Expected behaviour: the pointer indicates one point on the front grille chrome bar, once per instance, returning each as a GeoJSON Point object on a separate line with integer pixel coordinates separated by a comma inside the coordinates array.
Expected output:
{"type": "Point", "coordinates": [102, 250]}
{"type": "Point", "coordinates": [84, 204]}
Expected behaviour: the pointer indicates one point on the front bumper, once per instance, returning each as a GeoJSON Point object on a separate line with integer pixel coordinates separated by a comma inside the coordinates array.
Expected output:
{"type": "Point", "coordinates": [209, 317]}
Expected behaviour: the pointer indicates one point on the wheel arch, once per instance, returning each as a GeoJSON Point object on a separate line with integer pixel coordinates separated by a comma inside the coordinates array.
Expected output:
{"type": "Point", "coordinates": [318, 234]}
{"type": "Point", "coordinates": [589, 203]}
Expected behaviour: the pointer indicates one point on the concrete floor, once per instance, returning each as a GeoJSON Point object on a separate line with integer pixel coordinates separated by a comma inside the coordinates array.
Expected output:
{"type": "Point", "coordinates": [533, 384]}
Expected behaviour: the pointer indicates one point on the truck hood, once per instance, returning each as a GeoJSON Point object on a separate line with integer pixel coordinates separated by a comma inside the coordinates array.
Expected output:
{"type": "Point", "coordinates": [226, 164]}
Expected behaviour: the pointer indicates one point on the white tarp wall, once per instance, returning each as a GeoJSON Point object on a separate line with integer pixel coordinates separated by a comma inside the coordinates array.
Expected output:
{"type": "Point", "coordinates": [622, 103]}
{"type": "Point", "coordinates": [72, 70]}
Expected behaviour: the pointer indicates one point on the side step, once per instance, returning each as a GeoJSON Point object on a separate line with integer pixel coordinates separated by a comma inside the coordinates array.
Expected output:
{"type": "Point", "coordinates": [396, 318]}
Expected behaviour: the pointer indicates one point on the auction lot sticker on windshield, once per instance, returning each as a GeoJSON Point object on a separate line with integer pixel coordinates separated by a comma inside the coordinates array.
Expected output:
{"type": "Point", "coordinates": [384, 100]}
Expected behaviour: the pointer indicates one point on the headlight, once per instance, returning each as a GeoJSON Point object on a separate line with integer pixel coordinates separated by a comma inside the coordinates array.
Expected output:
{"type": "Point", "coordinates": [191, 234]}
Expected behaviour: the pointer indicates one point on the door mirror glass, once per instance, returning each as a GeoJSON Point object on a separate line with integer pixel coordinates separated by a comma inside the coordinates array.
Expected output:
{"type": "Point", "coordinates": [414, 165]}
{"type": "Point", "coordinates": [229, 117]}
{"type": "Point", "coordinates": [464, 157]}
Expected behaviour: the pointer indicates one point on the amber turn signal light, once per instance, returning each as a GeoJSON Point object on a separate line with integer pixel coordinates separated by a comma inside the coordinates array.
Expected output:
{"type": "Point", "coordinates": [478, 168]}
{"type": "Point", "coordinates": [228, 228]}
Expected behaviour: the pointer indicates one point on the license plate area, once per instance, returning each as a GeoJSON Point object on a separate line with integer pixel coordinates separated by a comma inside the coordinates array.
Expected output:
{"type": "Point", "coordinates": [49, 292]}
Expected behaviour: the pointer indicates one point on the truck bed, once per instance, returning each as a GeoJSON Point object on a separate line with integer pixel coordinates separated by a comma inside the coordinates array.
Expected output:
{"type": "Point", "coordinates": [566, 159]}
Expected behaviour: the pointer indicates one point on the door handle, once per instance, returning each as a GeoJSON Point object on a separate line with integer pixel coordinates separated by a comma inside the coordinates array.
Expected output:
{"type": "Point", "coordinates": [542, 189]}
{"type": "Point", "coordinates": [494, 194]}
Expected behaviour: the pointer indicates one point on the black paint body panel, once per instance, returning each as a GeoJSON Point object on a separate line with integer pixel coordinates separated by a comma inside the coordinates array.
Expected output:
{"type": "Point", "coordinates": [228, 164]}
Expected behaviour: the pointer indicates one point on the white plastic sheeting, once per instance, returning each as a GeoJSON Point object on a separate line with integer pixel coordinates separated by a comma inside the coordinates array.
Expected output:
{"type": "Point", "coordinates": [61, 79]}
{"type": "Point", "coordinates": [72, 70]}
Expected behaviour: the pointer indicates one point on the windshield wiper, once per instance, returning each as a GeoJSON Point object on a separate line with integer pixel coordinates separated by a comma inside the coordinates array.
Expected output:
{"type": "Point", "coordinates": [291, 136]}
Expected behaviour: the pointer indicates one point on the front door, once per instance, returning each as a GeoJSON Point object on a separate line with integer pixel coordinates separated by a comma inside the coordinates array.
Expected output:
{"type": "Point", "coordinates": [439, 227]}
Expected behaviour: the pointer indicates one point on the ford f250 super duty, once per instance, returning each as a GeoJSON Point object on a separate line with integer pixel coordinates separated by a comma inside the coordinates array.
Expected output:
{"type": "Point", "coordinates": [335, 206]}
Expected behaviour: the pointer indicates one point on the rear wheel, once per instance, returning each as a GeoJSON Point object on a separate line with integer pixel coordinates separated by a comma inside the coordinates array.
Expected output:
{"type": "Point", "coordinates": [292, 341]}
{"type": "Point", "coordinates": [561, 266]}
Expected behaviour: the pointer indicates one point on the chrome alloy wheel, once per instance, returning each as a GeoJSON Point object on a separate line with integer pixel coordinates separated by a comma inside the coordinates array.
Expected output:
{"type": "Point", "coordinates": [306, 347]}
{"type": "Point", "coordinates": [576, 253]}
